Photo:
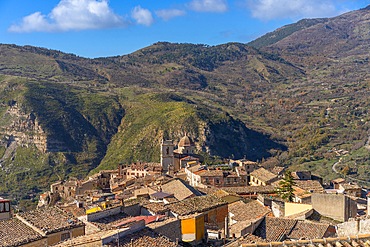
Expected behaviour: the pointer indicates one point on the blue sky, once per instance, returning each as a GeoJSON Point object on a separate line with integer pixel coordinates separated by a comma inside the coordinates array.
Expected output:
{"type": "Point", "coordinates": [97, 28]}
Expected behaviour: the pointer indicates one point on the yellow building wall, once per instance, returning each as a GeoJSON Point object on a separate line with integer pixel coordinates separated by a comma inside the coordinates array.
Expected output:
{"type": "Point", "coordinates": [93, 210]}
{"type": "Point", "coordinates": [192, 229]}
{"type": "Point", "coordinates": [200, 228]}
{"type": "Point", "coordinates": [295, 208]}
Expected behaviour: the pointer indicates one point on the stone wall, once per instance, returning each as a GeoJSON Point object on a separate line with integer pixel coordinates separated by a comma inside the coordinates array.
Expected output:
{"type": "Point", "coordinates": [338, 207]}
{"type": "Point", "coordinates": [132, 210]}
{"type": "Point", "coordinates": [170, 228]}
{"type": "Point", "coordinates": [353, 227]}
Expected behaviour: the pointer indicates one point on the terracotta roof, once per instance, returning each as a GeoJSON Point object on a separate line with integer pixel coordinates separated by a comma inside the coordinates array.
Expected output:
{"type": "Point", "coordinates": [195, 168]}
{"type": "Point", "coordinates": [312, 186]}
{"type": "Point", "coordinates": [240, 190]}
{"type": "Point", "coordinates": [274, 229]}
{"type": "Point", "coordinates": [156, 207]}
{"type": "Point", "coordinates": [50, 220]}
{"type": "Point", "coordinates": [247, 211]}
{"type": "Point", "coordinates": [110, 222]}
{"type": "Point", "coordinates": [170, 200]}
{"type": "Point", "coordinates": [147, 218]}
{"type": "Point", "coordinates": [93, 239]}
{"type": "Point", "coordinates": [180, 189]}
{"type": "Point", "coordinates": [74, 210]}
{"type": "Point", "coordinates": [279, 229]}
{"type": "Point", "coordinates": [278, 170]}
{"type": "Point", "coordinates": [185, 142]}
{"type": "Point", "coordinates": [220, 193]}
{"type": "Point", "coordinates": [355, 241]}
{"type": "Point", "coordinates": [246, 239]}
{"type": "Point", "coordinates": [263, 175]}
{"type": "Point", "coordinates": [196, 204]}
{"type": "Point", "coordinates": [350, 186]}
{"type": "Point", "coordinates": [146, 166]}
{"type": "Point", "coordinates": [190, 158]}
{"type": "Point", "coordinates": [212, 173]}
{"type": "Point", "coordinates": [146, 238]}
{"type": "Point", "coordinates": [338, 180]}
{"type": "Point", "coordinates": [308, 230]}
{"type": "Point", "coordinates": [13, 232]}
{"type": "Point", "coordinates": [157, 224]}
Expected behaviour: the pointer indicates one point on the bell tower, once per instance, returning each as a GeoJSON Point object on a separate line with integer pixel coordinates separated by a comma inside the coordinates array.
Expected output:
{"type": "Point", "coordinates": [167, 156]}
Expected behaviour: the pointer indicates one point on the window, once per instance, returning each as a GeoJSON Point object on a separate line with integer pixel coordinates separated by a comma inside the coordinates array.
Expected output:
{"type": "Point", "coordinates": [65, 236]}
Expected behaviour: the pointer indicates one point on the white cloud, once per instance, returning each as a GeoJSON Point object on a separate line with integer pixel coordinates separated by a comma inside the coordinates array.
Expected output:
{"type": "Point", "coordinates": [142, 16]}
{"type": "Point", "coordinates": [208, 5]}
{"type": "Point", "coordinates": [167, 14]}
{"type": "Point", "coordinates": [278, 9]}
{"type": "Point", "coordinates": [71, 15]}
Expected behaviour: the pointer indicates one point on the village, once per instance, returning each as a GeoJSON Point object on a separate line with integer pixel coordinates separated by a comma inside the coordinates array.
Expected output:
{"type": "Point", "coordinates": [183, 202]}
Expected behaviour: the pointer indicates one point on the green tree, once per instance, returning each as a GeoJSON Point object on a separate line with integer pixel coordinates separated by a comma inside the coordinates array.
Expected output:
{"type": "Point", "coordinates": [285, 189]}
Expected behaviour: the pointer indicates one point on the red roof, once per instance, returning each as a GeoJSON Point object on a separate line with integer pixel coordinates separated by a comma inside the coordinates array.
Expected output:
{"type": "Point", "coordinates": [147, 219]}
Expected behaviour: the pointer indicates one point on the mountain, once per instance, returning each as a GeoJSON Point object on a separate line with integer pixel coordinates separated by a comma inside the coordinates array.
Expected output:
{"type": "Point", "coordinates": [333, 52]}
{"type": "Point", "coordinates": [293, 97]}
{"type": "Point", "coordinates": [62, 115]}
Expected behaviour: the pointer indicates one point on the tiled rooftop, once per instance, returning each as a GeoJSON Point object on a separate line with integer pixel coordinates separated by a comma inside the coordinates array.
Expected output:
{"type": "Point", "coordinates": [247, 211]}
{"type": "Point", "coordinates": [146, 238]}
{"type": "Point", "coordinates": [278, 170]}
{"type": "Point", "coordinates": [263, 174]}
{"type": "Point", "coordinates": [308, 230]}
{"type": "Point", "coordinates": [274, 229]}
{"type": "Point", "coordinates": [279, 229]}
{"type": "Point", "coordinates": [156, 207]}
{"type": "Point", "coordinates": [180, 189]}
{"type": "Point", "coordinates": [240, 190]}
{"type": "Point", "coordinates": [148, 166]}
{"type": "Point", "coordinates": [350, 241]}
{"type": "Point", "coordinates": [212, 173]}
{"type": "Point", "coordinates": [246, 239]}
{"type": "Point", "coordinates": [350, 186]}
{"type": "Point", "coordinates": [13, 232]}
{"type": "Point", "coordinates": [85, 240]}
{"type": "Point", "coordinates": [313, 186]}
{"type": "Point", "coordinates": [110, 222]}
{"type": "Point", "coordinates": [196, 204]}
{"type": "Point", "coordinates": [50, 220]}
{"type": "Point", "coordinates": [220, 193]}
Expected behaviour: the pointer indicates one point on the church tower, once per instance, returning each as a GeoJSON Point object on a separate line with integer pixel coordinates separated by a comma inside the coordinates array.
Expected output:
{"type": "Point", "coordinates": [167, 156]}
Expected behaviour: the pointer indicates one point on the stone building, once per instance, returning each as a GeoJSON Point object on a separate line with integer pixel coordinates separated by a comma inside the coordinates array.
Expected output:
{"type": "Point", "coordinates": [262, 177]}
{"type": "Point", "coordinates": [176, 159]}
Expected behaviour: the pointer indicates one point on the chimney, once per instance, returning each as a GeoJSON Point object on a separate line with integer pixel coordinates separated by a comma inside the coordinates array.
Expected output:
{"type": "Point", "coordinates": [227, 227]}
{"type": "Point", "coordinates": [358, 221]}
